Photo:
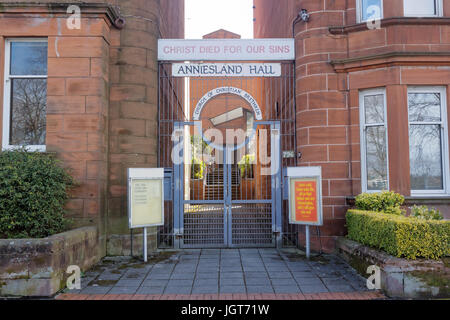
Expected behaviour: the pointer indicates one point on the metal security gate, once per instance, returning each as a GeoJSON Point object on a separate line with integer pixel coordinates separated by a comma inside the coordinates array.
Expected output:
{"type": "Point", "coordinates": [223, 202]}
{"type": "Point", "coordinates": [226, 193]}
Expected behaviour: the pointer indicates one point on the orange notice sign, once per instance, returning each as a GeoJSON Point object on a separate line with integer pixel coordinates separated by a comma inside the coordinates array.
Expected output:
{"type": "Point", "coordinates": [305, 208]}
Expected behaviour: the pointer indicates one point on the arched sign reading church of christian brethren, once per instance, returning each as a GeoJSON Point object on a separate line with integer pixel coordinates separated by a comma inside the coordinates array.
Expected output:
{"type": "Point", "coordinates": [224, 90]}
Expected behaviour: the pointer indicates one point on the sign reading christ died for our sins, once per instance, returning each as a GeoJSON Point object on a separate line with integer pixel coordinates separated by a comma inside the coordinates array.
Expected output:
{"type": "Point", "coordinates": [305, 203]}
{"type": "Point", "coordinates": [226, 69]}
{"type": "Point", "coordinates": [146, 195]}
{"type": "Point", "coordinates": [226, 49]}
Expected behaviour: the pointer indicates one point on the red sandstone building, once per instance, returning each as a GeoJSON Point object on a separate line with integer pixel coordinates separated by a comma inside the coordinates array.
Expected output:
{"type": "Point", "coordinates": [365, 101]}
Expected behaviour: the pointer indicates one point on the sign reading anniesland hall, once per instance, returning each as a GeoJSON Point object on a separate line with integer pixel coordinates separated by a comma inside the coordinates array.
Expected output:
{"type": "Point", "coordinates": [226, 70]}
{"type": "Point", "coordinates": [226, 49]}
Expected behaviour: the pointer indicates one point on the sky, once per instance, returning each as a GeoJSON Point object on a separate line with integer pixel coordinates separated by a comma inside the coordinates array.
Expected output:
{"type": "Point", "coordinates": [205, 16]}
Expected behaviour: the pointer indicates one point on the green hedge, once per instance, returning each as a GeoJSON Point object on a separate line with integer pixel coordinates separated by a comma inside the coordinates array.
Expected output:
{"type": "Point", "coordinates": [400, 236]}
{"type": "Point", "coordinates": [385, 201]}
{"type": "Point", "coordinates": [33, 191]}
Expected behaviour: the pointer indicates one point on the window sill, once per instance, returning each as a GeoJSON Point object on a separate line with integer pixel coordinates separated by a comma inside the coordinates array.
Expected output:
{"type": "Point", "coordinates": [42, 149]}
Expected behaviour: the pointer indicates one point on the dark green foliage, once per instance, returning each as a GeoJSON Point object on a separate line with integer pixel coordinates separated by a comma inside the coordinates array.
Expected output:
{"type": "Point", "coordinates": [33, 190]}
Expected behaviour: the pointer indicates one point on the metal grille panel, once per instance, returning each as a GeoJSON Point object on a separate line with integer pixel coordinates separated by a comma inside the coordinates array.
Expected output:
{"type": "Point", "coordinates": [203, 226]}
{"type": "Point", "coordinates": [251, 225]}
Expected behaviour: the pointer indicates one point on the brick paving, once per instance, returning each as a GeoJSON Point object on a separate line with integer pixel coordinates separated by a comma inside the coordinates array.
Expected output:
{"type": "Point", "coordinates": [223, 274]}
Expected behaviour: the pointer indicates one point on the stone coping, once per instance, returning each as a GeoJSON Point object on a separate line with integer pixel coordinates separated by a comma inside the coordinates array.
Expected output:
{"type": "Point", "coordinates": [61, 8]}
{"type": "Point", "coordinates": [391, 21]}
{"type": "Point", "coordinates": [46, 245]}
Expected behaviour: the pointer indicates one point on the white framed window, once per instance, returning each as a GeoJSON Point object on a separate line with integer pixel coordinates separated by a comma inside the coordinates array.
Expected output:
{"type": "Point", "coordinates": [25, 94]}
{"type": "Point", "coordinates": [368, 10]}
{"type": "Point", "coordinates": [422, 8]}
{"type": "Point", "coordinates": [374, 137]}
{"type": "Point", "coordinates": [428, 141]}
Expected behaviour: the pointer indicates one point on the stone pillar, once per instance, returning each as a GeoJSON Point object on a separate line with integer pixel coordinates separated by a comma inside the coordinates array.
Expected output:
{"type": "Point", "coordinates": [133, 113]}
{"type": "Point", "coordinates": [323, 127]}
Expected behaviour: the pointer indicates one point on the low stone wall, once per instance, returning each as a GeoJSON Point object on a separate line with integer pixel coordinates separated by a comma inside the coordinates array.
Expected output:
{"type": "Point", "coordinates": [37, 267]}
{"type": "Point", "coordinates": [120, 244]}
{"type": "Point", "coordinates": [400, 278]}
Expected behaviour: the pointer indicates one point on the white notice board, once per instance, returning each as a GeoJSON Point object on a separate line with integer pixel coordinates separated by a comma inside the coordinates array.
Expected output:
{"type": "Point", "coordinates": [145, 197]}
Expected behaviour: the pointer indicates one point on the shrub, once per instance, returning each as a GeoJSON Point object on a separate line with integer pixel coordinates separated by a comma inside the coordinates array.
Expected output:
{"type": "Point", "coordinates": [199, 146]}
{"type": "Point", "coordinates": [386, 201]}
{"type": "Point", "coordinates": [198, 168]}
{"type": "Point", "coordinates": [423, 212]}
{"type": "Point", "coordinates": [33, 190]}
{"type": "Point", "coordinates": [246, 165]}
{"type": "Point", "coordinates": [400, 236]}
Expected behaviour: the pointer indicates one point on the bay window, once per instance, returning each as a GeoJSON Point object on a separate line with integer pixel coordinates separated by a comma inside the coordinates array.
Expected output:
{"type": "Point", "coordinates": [25, 94]}
{"type": "Point", "coordinates": [422, 8]}
{"type": "Point", "coordinates": [428, 145]}
{"type": "Point", "coordinates": [374, 153]}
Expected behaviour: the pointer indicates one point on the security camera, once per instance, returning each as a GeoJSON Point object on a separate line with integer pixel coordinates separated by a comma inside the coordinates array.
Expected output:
{"type": "Point", "coordinates": [304, 15]}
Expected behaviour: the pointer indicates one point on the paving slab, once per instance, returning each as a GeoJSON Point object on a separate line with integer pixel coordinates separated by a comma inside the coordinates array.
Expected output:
{"type": "Point", "coordinates": [232, 281]}
{"type": "Point", "coordinates": [232, 289]}
{"type": "Point", "coordinates": [227, 275]}
{"type": "Point", "coordinates": [256, 274]}
{"type": "Point", "coordinates": [313, 288]}
{"type": "Point", "coordinates": [286, 289]}
{"type": "Point", "coordinates": [181, 275]}
{"type": "Point", "coordinates": [340, 288]}
{"type": "Point", "coordinates": [154, 283]}
{"type": "Point", "coordinates": [258, 281]}
{"type": "Point", "coordinates": [236, 268]}
{"type": "Point", "coordinates": [259, 289]}
{"type": "Point", "coordinates": [280, 275]}
{"type": "Point", "coordinates": [206, 282]}
{"type": "Point", "coordinates": [223, 271]}
{"type": "Point", "coordinates": [96, 290]}
{"type": "Point", "coordinates": [284, 282]}
{"type": "Point", "coordinates": [180, 283]}
{"type": "Point", "coordinates": [308, 281]}
{"type": "Point", "coordinates": [150, 290]}
{"type": "Point", "coordinates": [128, 283]}
{"type": "Point", "coordinates": [207, 275]}
{"type": "Point", "coordinates": [123, 290]}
